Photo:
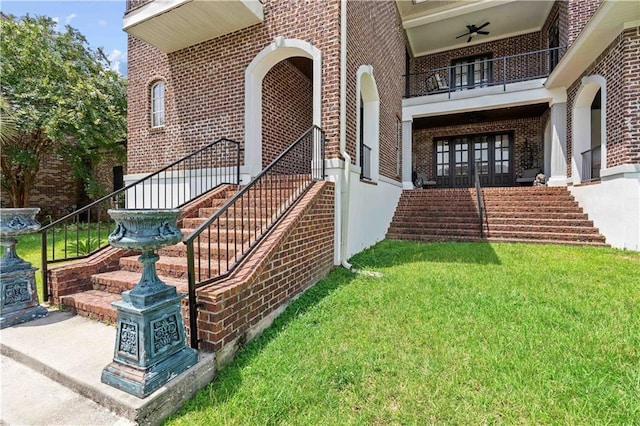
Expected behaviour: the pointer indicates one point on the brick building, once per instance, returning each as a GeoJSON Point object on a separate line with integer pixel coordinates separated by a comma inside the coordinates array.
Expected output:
{"type": "Point", "coordinates": [401, 89]}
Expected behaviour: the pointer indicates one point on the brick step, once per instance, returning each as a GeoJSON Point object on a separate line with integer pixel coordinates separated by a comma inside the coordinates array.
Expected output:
{"type": "Point", "coordinates": [436, 223]}
{"type": "Point", "coordinates": [539, 209]}
{"type": "Point", "coordinates": [530, 197]}
{"type": "Point", "coordinates": [175, 267]}
{"type": "Point", "coordinates": [542, 241]}
{"type": "Point", "coordinates": [562, 236]}
{"type": "Point", "coordinates": [231, 236]}
{"type": "Point", "coordinates": [541, 228]}
{"type": "Point", "coordinates": [533, 221]}
{"type": "Point", "coordinates": [526, 205]}
{"type": "Point", "coordinates": [432, 238]}
{"type": "Point", "coordinates": [246, 222]}
{"type": "Point", "coordinates": [396, 230]}
{"type": "Point", "coordinates": [119, 281]}
{"type": "Point", "coordinates": [205, 251]}
{"type": "Point", "coordinates": [425, 226]}
{"type": "Point", "coordinates": [94, 304]}
{"type": "Point", "coordinates": [570, 215]}
{"type": "Point", "coordinates": [438, 208]}
{"type": "Point", "coordinates": [264, 212]}
{"type": "Point", "coordinates": [454, 216]}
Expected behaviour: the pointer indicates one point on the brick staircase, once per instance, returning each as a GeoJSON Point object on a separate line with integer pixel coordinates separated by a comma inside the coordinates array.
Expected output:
{"type": "Point", "coordinates": [106, 287]}
{"type": "Point", "coordinates": [520, 214]}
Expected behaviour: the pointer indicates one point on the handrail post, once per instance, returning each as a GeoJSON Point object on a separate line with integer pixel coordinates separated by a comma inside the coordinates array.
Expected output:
{"type": "Point", "coordinates": [237, 164]}
{"type": "Point", "coordinates": [43, 267]}
{"type": "Point", "coordinates": [479, 197]}
{"type": "Point", "coordinates": [193, 306]}
{"type": "Point", "coordinates": [504, 74]}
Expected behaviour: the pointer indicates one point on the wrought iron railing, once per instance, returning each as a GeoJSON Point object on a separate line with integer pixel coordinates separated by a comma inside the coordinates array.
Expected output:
{"type": "Point", "coordinates": [84, 231]}
{"type": "Point", "coordinates": [490, 72]}
{"type": "Point", "coordinates": [591, 163]}
{"type": "Point", "coordinates": [480, 198]}
{"type": "Point", "coordinates": [221, 242]}
{"type": "Point", "coordinates": [365, 162]}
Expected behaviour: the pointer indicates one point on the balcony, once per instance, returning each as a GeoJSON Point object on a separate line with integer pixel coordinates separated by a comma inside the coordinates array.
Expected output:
{"type": "Point", "coordinates": [486, 73]}
{"type": "Point", "coordinates": [171, 25]}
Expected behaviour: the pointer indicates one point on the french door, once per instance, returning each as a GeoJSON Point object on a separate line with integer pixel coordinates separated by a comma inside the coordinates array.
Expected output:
{"type": "Point", "coordinates": [456, 158]}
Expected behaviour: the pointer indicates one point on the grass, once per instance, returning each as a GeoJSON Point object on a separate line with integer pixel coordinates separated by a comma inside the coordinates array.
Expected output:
{"type": "Point", "coordinates": [453, 333]}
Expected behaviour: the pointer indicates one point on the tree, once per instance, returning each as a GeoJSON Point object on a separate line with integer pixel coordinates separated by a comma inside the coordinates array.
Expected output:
{"type": "Point", "coordinates": [59, 95]}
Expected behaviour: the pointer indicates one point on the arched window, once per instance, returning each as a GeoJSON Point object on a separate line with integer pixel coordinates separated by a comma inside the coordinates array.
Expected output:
{"type": "Point", "coordinates": [157, 104]}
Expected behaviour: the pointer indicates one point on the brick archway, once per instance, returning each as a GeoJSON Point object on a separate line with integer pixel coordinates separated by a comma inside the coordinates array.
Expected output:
{"type": "Point", "coordinates": [277, 51]}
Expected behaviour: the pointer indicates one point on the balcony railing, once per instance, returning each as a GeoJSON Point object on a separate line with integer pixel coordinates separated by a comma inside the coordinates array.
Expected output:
{"type": "Point", "coordinates": [489, 72]}
{"type": "Point", "coordinates": [591, 164]}
{"type": "Point", "coordinates": [134, 4]}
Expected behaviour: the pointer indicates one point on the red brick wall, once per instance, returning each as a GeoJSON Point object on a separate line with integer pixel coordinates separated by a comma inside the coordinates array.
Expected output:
{"type": "Point", "coordinates": [204, 92]}
{"type": "Point", "coordinates": [620, 66]}
{"type": "Point", "coordinates": [529, 130]}
{"type": "Point", "coordinates": [287, 108]}
{"type": "Point", "coordinates": [298, 253]}
{"type": "Point", "coordinates": [578, 14]}
{"type": "Point", "coordinates": [498, 48]}
{"type": "Point", "coordinates": [375, 37]}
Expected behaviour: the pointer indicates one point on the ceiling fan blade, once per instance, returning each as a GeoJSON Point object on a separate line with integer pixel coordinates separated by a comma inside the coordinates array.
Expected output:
{"type": "Point", "coordinates": [466, 34]}
{"type": "Point", "coordinates": [470, 28]}
{"type": "Point", "coordinates": [483, 32]}
{"type": "Point", "coordinates": [482, 26]}
{"type": "Point", "coordinates": [469, 39]}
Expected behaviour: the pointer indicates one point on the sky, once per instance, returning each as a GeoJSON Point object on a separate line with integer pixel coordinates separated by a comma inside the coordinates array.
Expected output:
{"type": "Point", "coordinates": [100, 21]}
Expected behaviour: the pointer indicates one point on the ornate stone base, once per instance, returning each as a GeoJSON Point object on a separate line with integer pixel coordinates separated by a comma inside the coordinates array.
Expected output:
{"type": "Point", "coordinates": [150, 345]}
{"type": "Point", "coordinates": [18, 295]}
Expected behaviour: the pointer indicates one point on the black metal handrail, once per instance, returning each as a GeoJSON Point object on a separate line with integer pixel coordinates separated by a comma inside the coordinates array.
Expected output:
{"type": "Point", "coordinates": [501, 71]}
{"type": "Point", "coordinates": [365, 162]}
{"type": "Point", "coordinates": [219, 244]}
{"type": "Point", "coordinates": [591, 163]}
{"type": "Point", "coordinates": [84, 231]}
{"type": "Point", "coordinates": [480, 199]}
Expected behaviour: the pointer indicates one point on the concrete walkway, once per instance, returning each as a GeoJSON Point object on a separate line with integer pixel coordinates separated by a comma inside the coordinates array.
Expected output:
{"type": "Point", "coordinates": [51, 369]}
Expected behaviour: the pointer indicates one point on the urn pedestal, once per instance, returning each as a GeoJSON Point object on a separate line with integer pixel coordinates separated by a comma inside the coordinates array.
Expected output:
{"type": "Point", "coordinates": [18, 293]}
{"type": "Point", "coordinates": [150, 346]}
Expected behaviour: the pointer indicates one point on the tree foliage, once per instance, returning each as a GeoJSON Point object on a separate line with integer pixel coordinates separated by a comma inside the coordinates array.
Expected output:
{"type": "Point", "coordinates": [58, 95]}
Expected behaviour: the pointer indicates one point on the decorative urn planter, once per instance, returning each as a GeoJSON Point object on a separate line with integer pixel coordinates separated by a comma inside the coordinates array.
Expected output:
{"type": "Point", "coordinates": [18, 293]}
{"type": "Point", "coordinates": [150, 346]}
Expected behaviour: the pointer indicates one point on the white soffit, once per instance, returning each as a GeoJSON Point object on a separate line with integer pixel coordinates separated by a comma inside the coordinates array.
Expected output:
{"type": "Point", "coordinates": [172, 25]}
{"type": "Point", "coordinates": [435, 30]}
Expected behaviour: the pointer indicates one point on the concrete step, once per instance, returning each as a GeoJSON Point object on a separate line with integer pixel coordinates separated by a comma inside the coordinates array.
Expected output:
{"type": "Point", "coordinates": [69, 352]}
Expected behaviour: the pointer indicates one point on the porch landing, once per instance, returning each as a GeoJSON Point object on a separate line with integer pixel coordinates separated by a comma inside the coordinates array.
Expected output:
{"type": "Point", "coordinates": [51, 370]}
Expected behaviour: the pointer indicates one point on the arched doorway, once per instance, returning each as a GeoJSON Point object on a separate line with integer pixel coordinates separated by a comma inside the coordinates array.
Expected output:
{"type": "Point", "coordinates": [276, 53]}
{"type": "Point", "coordinates": [589, 130]}
{"type": "Point", "coordinates": [367, 124]}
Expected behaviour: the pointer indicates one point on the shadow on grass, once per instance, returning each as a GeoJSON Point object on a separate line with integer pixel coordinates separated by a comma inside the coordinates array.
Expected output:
{"type": "Point", "coordinates": [389, 253]}
{"type": "Point", "coordinates": [229, 378]}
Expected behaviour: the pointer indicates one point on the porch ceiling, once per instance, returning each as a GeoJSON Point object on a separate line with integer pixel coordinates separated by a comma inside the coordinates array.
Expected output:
{"type": "Point", "coordinates": [432, 26]}
{"type": "Point", "coordinates": [525, 111]}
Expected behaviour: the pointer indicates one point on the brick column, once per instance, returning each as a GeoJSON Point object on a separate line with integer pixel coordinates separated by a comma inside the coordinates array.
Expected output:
{"type": "Point", "coordinates": [558, 175]}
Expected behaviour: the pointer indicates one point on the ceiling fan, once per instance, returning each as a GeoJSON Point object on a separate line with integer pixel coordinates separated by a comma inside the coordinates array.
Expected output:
{"type": "Point", "coordinates": [473, 30]}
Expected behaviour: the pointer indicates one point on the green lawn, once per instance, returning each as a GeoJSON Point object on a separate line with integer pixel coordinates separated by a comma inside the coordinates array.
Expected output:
{"type": "Point", "coordinates": [453, 333]}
